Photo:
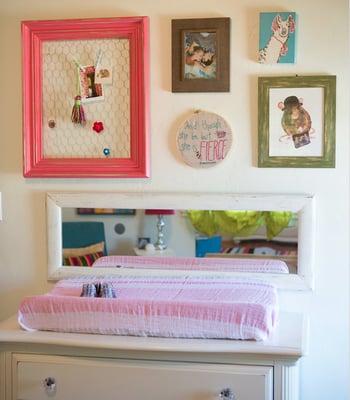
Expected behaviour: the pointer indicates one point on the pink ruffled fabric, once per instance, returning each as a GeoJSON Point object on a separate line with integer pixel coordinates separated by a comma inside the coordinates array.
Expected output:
{"type": "Point", "coordinates": [192, 263]}
{"type": "Point", "coordinates": [187, 307]}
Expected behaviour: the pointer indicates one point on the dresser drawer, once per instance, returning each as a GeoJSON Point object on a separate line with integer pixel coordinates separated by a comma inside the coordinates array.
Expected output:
{"type": "Point", "coordinates": [107, 379]}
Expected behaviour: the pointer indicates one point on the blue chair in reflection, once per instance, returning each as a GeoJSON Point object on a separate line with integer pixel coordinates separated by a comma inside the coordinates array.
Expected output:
{"type": "Point", "coordinates": [82, 234]}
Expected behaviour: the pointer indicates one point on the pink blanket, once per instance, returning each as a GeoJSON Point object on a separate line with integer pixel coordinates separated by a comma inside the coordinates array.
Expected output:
{"type": "Point", "coordinates": [186, 307]}
{"type": "Point", "coordinates": [192, 263]}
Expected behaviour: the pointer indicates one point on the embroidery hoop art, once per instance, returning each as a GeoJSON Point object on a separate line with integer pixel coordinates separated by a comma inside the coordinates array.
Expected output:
{"type": "Point", "coordinates": [204, 139]}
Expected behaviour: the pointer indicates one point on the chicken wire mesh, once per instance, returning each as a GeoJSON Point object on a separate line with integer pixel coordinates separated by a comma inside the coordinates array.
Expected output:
{"type": "Point", "coordinates": [62, 138]}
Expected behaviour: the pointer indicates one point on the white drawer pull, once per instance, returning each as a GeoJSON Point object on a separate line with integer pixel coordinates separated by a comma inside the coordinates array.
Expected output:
{"type": "Point", "coordinates": [227, 394]}
{"type": "Point", "coordinates": [50, 386]}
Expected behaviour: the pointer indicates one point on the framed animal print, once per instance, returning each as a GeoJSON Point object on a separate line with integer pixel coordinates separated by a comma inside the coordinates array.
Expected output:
{"type": "Point", "coordinates": [296, 121]}
{"type": "Point", "coordinates": [277, 37]}
{"type": "Point", "coordinates": [85, 98]}
{"type": "Point", "coordinates": [201, 55]}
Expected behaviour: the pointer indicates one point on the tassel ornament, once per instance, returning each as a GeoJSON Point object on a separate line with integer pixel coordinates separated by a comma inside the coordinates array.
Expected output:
{"type": "Point", "coordinates": [78, 114]}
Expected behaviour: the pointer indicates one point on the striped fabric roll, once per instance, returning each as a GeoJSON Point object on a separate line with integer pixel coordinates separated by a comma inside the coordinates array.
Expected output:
{"type": "Point", "coordinates": [82, 261]}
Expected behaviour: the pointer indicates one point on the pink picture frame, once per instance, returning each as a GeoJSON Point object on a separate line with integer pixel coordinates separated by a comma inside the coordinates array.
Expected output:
{"type": "Point", "coordinates": [34, 36]}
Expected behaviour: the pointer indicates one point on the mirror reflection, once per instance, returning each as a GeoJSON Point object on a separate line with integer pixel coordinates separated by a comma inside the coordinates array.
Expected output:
{"type": "Point", "coordinates": [251, 241]}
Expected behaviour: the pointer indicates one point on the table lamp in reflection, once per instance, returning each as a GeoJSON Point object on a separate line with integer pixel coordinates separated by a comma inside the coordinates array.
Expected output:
{"type": "Point", "coordinates": [159, 244]}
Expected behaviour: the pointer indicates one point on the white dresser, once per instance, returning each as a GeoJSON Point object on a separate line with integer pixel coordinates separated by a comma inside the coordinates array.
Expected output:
{"type": "Point", "coordinates": [64, 366]}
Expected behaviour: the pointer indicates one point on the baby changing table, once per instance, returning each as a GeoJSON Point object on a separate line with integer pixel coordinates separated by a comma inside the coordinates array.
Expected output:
{"type": "Point", "coordinates": [64, 366]}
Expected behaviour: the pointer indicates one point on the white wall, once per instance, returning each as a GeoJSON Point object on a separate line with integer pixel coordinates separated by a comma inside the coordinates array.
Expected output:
{"type": "Point", "coordinates": [322, 48]}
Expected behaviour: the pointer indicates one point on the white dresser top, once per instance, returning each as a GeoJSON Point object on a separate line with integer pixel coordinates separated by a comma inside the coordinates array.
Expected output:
{"type": "Point", "coordinates": [289, 340]}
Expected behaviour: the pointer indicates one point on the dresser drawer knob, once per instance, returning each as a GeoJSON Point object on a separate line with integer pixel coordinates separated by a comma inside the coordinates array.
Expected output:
{"type": "Point", "coordinates": [227, 394]}
{"type": "Point", "coordinates": [50, 385]}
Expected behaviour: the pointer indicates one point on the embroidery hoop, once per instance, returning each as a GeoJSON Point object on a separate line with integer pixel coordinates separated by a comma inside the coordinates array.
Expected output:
{"type": "Point", "coordinates": [204, 139]}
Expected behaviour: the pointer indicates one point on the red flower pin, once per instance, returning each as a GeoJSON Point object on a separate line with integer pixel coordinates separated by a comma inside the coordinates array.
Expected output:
{"type": "Point", "coordinates": [98, 126]}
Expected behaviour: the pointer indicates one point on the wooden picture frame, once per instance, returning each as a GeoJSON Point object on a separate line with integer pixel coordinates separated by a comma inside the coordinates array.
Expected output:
{"type": "Point", "coordinates": [39, 39]}
{"type": "Point", "coordinates": [296, 121]}
{"type": "Point", "coordinates": [201, 55]}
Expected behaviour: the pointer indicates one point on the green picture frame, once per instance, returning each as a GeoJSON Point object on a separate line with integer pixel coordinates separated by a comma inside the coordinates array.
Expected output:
{"type": "Point", "coordinates": [300, 144]}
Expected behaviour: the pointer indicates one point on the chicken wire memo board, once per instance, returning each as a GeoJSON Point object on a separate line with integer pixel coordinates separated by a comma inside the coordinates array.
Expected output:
{"type": "Point", "coordinates": [66, 139]}
{"type": "Point", "coordinates": [85, 97]}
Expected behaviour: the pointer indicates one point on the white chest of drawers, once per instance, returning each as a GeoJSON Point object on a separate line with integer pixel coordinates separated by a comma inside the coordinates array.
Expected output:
{"type": "Point", "coordinates": [62, 366]}
{"type": "Point", "coordinates": [95, 378]}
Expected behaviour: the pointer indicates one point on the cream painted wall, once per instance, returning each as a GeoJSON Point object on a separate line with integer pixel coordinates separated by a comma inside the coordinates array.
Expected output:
{"type": "Point", "coordinates": [322, 48]}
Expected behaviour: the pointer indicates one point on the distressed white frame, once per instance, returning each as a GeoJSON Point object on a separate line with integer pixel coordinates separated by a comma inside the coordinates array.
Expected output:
{"type": "Point", "coordinates": [302, 204]}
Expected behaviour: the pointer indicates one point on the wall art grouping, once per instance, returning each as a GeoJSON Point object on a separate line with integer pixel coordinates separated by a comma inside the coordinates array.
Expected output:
{"type": "Point", "coordinates": [296, 114]}
{"type": "Point", "coordinates": [86, 89]}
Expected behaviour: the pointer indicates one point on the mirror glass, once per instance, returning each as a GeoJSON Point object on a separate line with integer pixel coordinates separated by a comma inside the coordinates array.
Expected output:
{"type": "Point", "coordinates": [269, 238]}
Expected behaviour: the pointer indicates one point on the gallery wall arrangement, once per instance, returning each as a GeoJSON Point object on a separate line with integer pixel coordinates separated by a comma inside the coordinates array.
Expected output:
{"type": "Point", "coordinates": [86, 97]}
{"type": "Point", "coordinates": [296, 114]}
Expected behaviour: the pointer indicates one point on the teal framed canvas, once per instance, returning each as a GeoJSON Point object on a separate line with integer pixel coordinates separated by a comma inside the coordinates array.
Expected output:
{"type": "Point", "coordinates": [277, 37]}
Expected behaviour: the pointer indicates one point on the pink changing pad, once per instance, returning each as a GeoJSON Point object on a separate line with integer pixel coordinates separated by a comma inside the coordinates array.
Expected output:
{"type": "Point", "coordinates": [187, 307]}
{"type": "Point", "coordinates": [195, 263]}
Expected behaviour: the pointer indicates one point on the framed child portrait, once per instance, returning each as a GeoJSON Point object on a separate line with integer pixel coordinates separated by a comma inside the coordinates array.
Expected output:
{"type": "Point", "coordinates": [201, 55]}
{"type": "Point", "coordinates": [296, 121]}
{"type": "Point", "coordinates": [85, 98]}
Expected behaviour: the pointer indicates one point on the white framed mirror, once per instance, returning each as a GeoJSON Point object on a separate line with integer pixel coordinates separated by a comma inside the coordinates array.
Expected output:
{"type": "Point", "coordinates": [275, 241]}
